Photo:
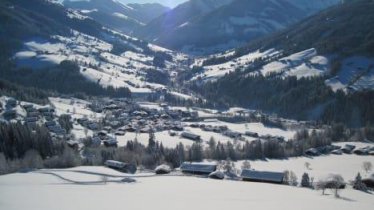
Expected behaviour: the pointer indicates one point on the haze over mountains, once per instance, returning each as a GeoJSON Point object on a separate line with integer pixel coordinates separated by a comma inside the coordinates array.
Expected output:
{"type": "Point", "coordinates": [116, 15]}
{"type": "Point", "coordinates": [206, 26]}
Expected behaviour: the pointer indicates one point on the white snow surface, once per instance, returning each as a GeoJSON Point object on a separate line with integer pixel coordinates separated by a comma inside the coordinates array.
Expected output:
{"type": "Point", "coordinates": [302, 64]}
{"type": "Point", "coordinates": [40, 191]}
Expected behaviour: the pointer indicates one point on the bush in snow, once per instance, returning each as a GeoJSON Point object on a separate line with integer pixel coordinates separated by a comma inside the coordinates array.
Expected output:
{"type": "Point", "coordinates": [305, 180]}
{"type": "Point", "coordinates": [367, 166]}
{"type": "Point", "coordinates": [290, 178]}
{"type": "Point", "coordinates": [163, 169]}
{"type": "Point", "coordinates": [32, 159]}
{"type": "Point", "coordinates": [246, 165]}
{"type": "Point", "coordinates": [3, 164]}
{"type": "Point", "coordinates": [69, 158]}
{"type": "Point", "coordinates": [358, 184]}
{"type": "Point", "coordinates": [229, 168]}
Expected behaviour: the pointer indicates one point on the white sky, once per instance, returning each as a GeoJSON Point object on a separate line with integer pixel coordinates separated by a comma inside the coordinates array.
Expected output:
{"type": "Point", "coordinates": [169, 3]}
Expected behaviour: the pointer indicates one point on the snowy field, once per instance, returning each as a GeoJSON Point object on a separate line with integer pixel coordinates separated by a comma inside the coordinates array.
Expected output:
{"type": "Point", "coordinates": [346, 165]}
{"type": "Point", "coordinates": [80, 188]}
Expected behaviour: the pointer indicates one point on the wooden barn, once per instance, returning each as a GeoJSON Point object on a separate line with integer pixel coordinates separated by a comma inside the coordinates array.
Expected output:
{"type": "Point", "coordinates": [198, 168]}
{"type": "Point", "coordinates": [262, 176]}
{"type": "Point", "coordinates": [191, 136]}
{"type": "Point", "coordinates": [120, 166]}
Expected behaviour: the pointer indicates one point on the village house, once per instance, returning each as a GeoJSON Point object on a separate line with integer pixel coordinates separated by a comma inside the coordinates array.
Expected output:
{"type": "Point", "coordinates": [191, 136]}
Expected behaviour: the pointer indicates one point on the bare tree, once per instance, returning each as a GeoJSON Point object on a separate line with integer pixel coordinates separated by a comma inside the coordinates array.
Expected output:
{"type": "Point", "coordinates": [290, 178]}
{"type": "Point", "coordinates": [337, 184]}
{"type": "Point", "coordinates": [367, 166]}
{"type": "Point", "coordinates": [104, 179]}
{"type": "Point", "coordinates": [32, 159]}
{"type": "Point", "coordinates": [334, 182]}
{"type": "Point", "coordinates": [305, 180]}
{"type": "Point", "coordinates": [3, 164]}
{"type": "Point", "coordinates": [246, 165]}
{"type": "Point", "coordinates": [307, 165]}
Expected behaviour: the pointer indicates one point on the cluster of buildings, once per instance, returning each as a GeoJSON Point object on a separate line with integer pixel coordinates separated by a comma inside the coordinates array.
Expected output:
{"type": "Point", "coordinates": [339, 150]}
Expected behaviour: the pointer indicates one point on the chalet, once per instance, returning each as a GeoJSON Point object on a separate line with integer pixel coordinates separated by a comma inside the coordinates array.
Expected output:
{"type": "Point", "coordinates": [191, 136]}
{"type": "Point", "coordinates": [110, 142]}
{"type": "Point", "coordinates": [348, 148]}
{"type": "Point", "coordinates": [194, 125]}
{"type": "Point", "coordinates": [83, 121]}
{"type": "Point", "coordinates": [312, 152]}
{"type": "Point", "coordinates": [119, 133]}
{"type": "Point", "coordinates": [102, 134]}
{"type": "Point", "coordinates": [57, 130]}
{"type": "Point", "coordinates": [28, 107]}
{"type": "Point", "coordinates": [232, 134]}
{"type": "Point", "coordinates": [198, 168]}
{"type": "Point", "coordinates": [337, 152]}
{"type": "Point", "coordinates": [361, 151]}
{"type": "Point", "coordinates": [121, 166]}
{"type": "Point", "coordinates": [163, 169]}
{"type": "Point", "coordinates": [251, 134]}
{"type": "Point", "coordinates": [177, 127]}
{"type": "Point", "coordinates": [11, 103]}
{"type": "Point", "coordinates": [33, 114]}
{"type": "Point", "coordinates": [93, 126]}
{"type": "Point", "coordinates": [262, 176]}
{"type": "Point", "coordinates": [31, 119]}
{"type": "Point", "coordinates": [50, 123]}
{"type": "Point", "coordinates": [46, 110]}
{"type": "Point", "coordinates": [73, 144]}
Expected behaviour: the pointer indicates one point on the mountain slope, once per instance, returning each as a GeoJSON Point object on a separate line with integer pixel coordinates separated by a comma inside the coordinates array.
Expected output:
{"type": "Point", "coordinates": [300, 71]}
{"type": "Point", "coordinates": [178, 16]}
{"type": "Point", "coordinates": [116, 15]}
{"type": "Point", "coordinates": [73, 53]}
{"type": "Point", "coordinates": [230, 25]}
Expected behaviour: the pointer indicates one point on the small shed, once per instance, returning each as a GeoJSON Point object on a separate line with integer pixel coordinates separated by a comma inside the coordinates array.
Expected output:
{"type": "Point", "coordinates": [262, 176]}
{"type": "Point", "coordinates": [198, 168]}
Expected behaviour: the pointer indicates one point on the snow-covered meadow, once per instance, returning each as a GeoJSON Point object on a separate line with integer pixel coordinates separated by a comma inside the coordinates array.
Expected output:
{"type": "Point", "coordinates": [81, 188]}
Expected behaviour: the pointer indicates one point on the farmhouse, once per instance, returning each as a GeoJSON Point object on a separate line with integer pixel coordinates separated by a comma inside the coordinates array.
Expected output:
{"type": "Point", "coordinates": [262, 176]}
{"type": "Point", "coordinates": [120, 166]}
{"type": "Point", "coordinates": [191, 136]}
{"type": "Point", "coordinates": [251, 134]}
{"type": "Point", "coordinates": [198, 168]}
{"type": "Point", "coordinates": [348, 148]}
{"type": "Point", "coordinates": [312, 152]}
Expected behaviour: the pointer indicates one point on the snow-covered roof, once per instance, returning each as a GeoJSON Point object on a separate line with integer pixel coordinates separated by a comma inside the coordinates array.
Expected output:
{"type": "Point", "coordinates": [198, 167]}
{"type": "Point", "coordinates": [265, 176]}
